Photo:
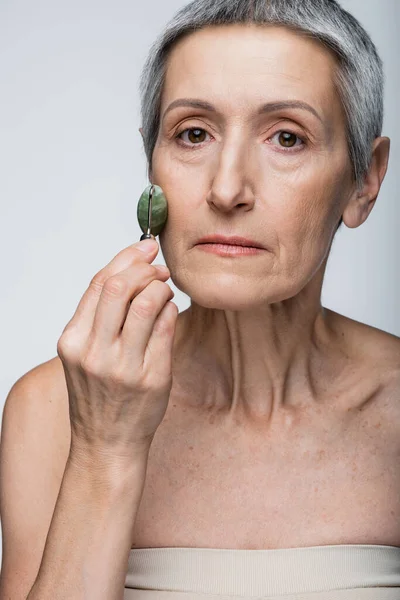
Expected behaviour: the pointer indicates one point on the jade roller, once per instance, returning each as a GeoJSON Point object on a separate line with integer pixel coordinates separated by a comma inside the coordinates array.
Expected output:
{"type": "Point", "coordinates": [152, 212]}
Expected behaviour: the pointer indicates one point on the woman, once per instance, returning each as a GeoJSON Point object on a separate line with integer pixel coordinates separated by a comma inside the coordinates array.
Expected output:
{"type": "Point", "coordinates": [247, 448]}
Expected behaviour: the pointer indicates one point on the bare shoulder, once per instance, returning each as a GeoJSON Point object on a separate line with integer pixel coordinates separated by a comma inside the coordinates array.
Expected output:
{"type": "Point", "coordinates": [38, 401]}
{"type": "Point", "coordinates": [45, 389]}
{"type": "Point", "coordinates": [368, 341]}
{"type": "Point", "coordinates": [41, 399]}
{"type": "Point", "coordinates": [50, 373]}
{"type": "Point", "coordinates": [376, 351]}
{"type": "Point", "coordinates": [51, 378]}
{"type": "Point", "coordinates": [35, 443]}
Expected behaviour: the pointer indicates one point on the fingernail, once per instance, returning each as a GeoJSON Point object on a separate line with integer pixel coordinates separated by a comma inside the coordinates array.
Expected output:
{"type": "Point", "coordinates": [146, 246]}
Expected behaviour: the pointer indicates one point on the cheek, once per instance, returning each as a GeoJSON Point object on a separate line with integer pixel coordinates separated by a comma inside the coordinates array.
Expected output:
{"type": "Point", "coordinates": [180, 228]}
{"type": "Point", "coordinates": [302, 207]}
{"type": "Point", "coordinates": [174, 184]}
{"type": "Point", "coordinates": [304, 193]}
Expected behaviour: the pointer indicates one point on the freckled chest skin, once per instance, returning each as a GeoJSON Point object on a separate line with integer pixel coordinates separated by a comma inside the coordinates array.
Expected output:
{"type": "Point", "coordinates": [323, 476]}
{"type": "Point", "coordinates": [199, 494]}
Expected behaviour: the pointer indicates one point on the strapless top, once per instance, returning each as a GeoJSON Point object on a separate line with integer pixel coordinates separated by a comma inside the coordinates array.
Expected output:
{"type": "Point", "coordinates": [335, 572]}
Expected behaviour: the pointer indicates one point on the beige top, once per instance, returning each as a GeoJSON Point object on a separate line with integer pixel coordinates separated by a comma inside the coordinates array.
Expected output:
{"type": "Point", "coordinates": [336, 572]}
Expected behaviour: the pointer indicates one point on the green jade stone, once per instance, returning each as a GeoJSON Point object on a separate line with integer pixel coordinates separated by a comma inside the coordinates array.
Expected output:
{"type": "Point", "coordinates": [159, 211]}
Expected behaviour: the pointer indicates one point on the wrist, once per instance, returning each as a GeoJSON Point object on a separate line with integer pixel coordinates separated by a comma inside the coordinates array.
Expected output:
{"type": "Point", "coordinates": [109, 473]}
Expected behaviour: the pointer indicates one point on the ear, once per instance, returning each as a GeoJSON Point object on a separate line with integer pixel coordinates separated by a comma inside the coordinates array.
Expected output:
{"type": "Point", "coordinates": [362, 200]}
{"type": "Point", "coordinates": [141, 132]}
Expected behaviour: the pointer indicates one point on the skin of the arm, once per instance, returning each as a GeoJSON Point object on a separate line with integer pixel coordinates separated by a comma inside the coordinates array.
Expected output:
{"type": "Point", "coordinates": [90, 535]}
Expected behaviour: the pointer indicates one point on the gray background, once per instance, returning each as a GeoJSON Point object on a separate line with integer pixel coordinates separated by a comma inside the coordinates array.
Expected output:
{"type": "Point", "coordinates": [73, 168]}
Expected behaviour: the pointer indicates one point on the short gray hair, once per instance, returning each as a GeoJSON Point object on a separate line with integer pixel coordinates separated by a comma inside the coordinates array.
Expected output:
{"type": "Point", "coordinates": [359, 78]}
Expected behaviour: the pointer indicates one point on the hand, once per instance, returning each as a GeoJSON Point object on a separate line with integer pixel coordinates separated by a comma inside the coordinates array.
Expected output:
{"type": "Point", "coordinates": [116, 353]}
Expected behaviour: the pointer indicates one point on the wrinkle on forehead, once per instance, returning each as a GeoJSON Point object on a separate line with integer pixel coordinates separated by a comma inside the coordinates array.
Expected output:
{"type": "Point", "coordinates": [239, 67]}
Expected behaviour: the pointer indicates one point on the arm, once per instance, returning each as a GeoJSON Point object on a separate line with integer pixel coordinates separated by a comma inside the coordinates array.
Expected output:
{"type": "Point", "coordinates": [117, 374]}
{"type": "Point", "coordinates": [87, 547]}
{"type": "Point", "coordinates": [41, 485]}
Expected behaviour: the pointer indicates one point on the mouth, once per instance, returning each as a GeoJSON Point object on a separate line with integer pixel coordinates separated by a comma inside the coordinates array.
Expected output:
{"type": "Point", "coordinates": [233, 241]}
{"type": "Point", "coordinates": [234, 246]}
{"type": "Point", "coordinates": [229, 249]}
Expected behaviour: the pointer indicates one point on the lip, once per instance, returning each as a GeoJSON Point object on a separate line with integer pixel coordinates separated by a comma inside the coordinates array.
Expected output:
{"type": "Point", "coordinates": [234, 240]}
{"type": "Point", "coordinates": [231, 250]}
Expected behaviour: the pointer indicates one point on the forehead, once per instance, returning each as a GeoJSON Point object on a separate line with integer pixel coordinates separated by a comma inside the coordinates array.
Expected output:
{"type": "Point", "coordinates": [236, 64]}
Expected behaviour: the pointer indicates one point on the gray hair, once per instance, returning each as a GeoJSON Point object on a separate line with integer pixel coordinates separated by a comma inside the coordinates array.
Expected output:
{"type": "Point", "coordinates": [359, 78]}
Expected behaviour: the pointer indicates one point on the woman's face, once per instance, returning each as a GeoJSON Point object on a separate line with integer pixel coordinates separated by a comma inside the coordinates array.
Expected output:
{"type": "Point", "coordinates": [279, 175]}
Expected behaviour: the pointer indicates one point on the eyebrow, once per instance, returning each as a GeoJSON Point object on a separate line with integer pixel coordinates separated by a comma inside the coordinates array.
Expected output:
{"type": "Point", "coordinates": [263, 109]}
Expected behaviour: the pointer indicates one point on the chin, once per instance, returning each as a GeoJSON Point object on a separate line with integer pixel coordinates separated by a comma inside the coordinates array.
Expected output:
{"type": "Point", "coordinates": [235, 297]}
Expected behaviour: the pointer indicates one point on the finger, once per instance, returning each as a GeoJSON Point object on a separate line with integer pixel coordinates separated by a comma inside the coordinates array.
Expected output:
{"type": "Point", "coordinates": [83, 317]}
{"type": "Point", "coordinates": [115, 300]}
{"type": "Point", "coordinates": [160, 344]}
{"type": "Point", "coordinates": [139, 323]}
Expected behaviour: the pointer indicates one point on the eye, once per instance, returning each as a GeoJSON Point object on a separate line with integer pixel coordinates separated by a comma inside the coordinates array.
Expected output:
{"type": "Point", "coordinates": [287, 139]}
{"type": "Point", "coordinates": [195, 135]}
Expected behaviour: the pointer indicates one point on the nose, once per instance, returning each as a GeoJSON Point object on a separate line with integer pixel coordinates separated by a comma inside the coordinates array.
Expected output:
{"type": "Point", "coordinates": [231, 187]}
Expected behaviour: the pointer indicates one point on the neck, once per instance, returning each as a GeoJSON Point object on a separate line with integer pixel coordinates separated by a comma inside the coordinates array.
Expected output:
{"type": "Point", "coordinates": [252, 366]}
